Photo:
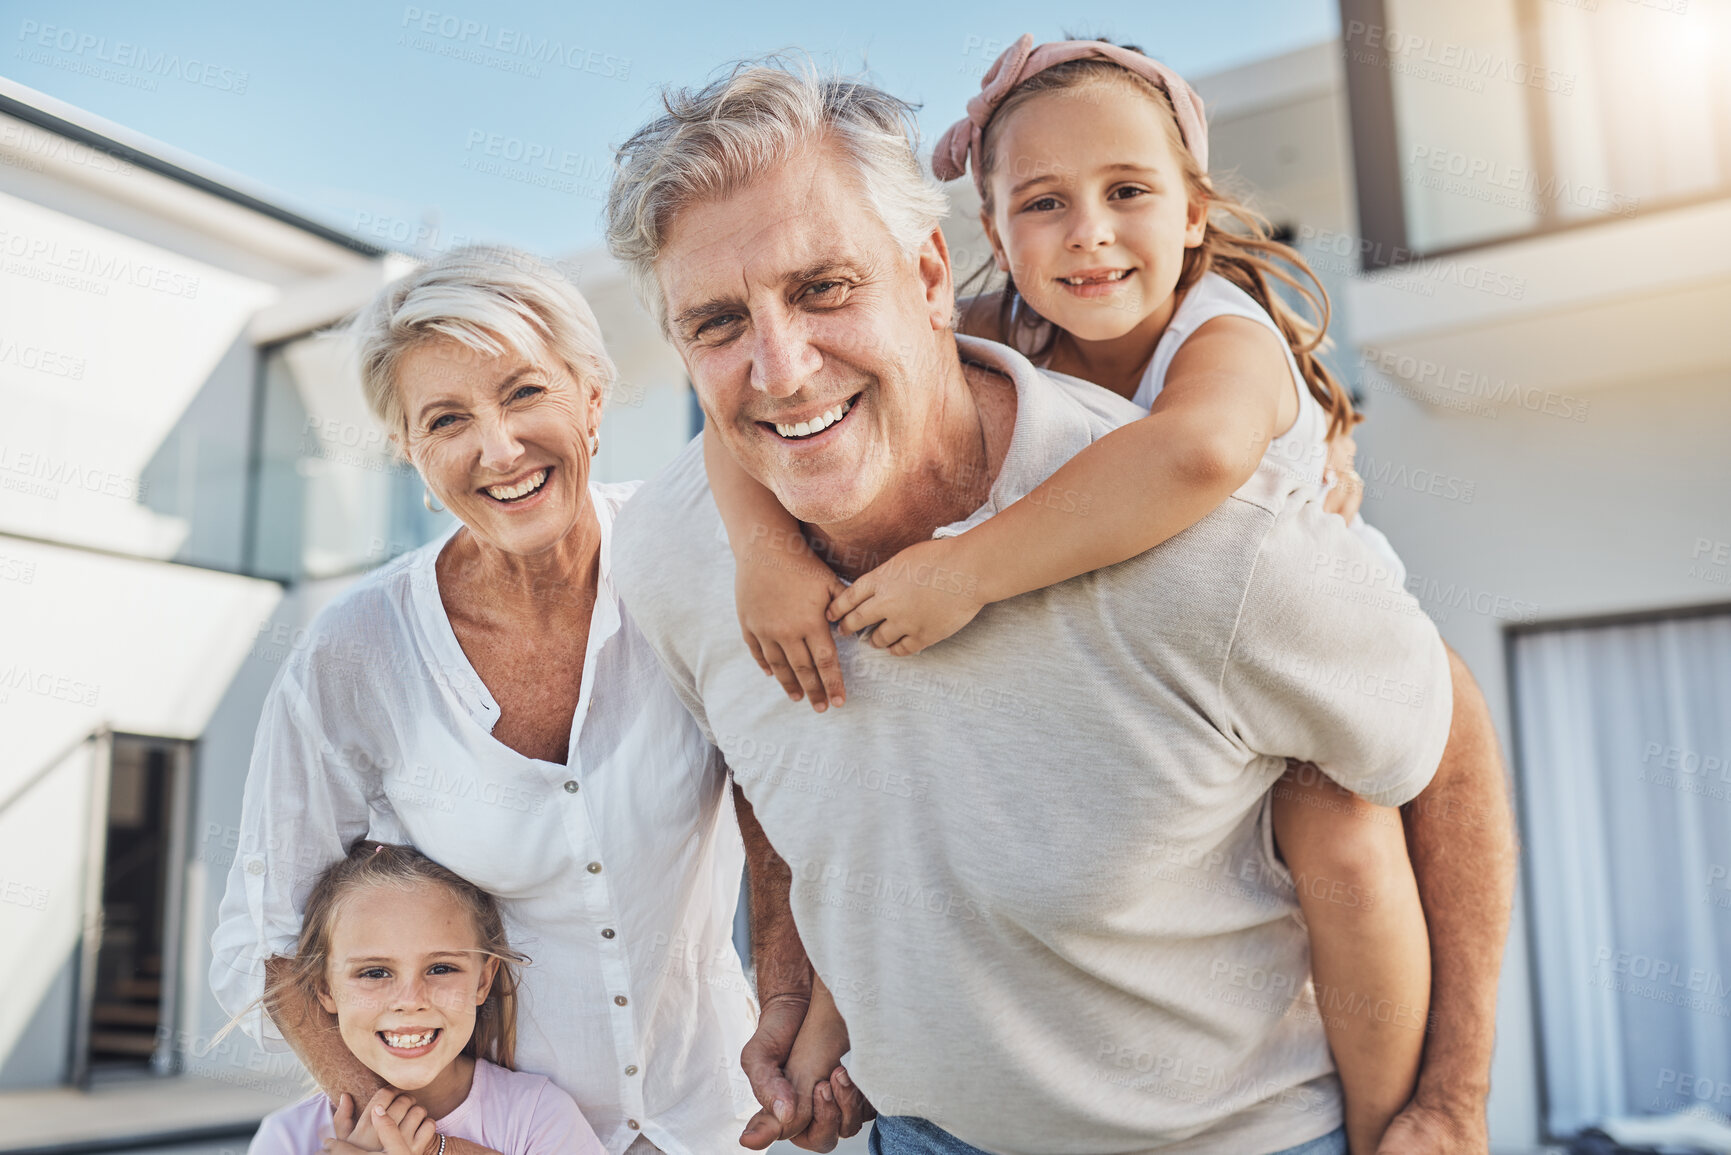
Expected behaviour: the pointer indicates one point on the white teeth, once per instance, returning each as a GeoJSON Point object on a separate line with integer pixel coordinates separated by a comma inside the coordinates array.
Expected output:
{"type": "Point", "coordinates": [509, 492]}
{"type": "Point", "coordinates": [409, 1042]}
{"type": "Point", "coordinates": [817, 424]}
{"type": "Point", "coordinates": [1119, 275]}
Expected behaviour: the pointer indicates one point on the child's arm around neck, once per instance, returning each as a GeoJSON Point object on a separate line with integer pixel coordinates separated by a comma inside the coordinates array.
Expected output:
{"type": "Point", "coordinates": [1227, 394]}
{"type": "Point", "coordinates": [781, 588]}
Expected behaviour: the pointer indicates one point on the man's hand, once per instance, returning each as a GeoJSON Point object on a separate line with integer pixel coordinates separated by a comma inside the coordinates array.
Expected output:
{"type": "Point", "coordinates": [1460, 832]}
{"type": "Point", "coordinates": [763, 1060]}
{"type": "Point", "coordinates": [1425, 1130]}
{"type": "Point", "coordinates": [806, 1097]}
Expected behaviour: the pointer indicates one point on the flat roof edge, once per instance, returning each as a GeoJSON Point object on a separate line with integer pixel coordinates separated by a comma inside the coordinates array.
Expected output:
{"type": "Point", "coordinates": [28, 105]}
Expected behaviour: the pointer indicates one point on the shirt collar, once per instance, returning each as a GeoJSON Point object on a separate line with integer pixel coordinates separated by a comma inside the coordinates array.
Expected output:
{"type": "Point", "coordinates": [429, 608]}
{"type": "Point", "coordinates": [1051, 427]}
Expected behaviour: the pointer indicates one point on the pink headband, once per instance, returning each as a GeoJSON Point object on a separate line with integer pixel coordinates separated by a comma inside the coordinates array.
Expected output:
{"type": "Point", "coordinates": [1021, 60]}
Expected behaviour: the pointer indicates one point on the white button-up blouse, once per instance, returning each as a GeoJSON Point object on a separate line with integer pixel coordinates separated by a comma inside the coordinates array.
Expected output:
{"type": "Point", "coordinates": [618, 873]}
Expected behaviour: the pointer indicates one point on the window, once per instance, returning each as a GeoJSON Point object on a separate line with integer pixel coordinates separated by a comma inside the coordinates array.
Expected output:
{"type": "Point", "coordinates": [1624, 748]}
{"type": "Point", "coordinates": [1481, 120]}
{"type": "Point", "coordinates": [329, 496]}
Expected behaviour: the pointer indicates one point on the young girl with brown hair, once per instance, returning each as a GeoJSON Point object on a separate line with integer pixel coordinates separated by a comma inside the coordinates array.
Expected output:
{"type": "Point", "coordinates": [413, 961]}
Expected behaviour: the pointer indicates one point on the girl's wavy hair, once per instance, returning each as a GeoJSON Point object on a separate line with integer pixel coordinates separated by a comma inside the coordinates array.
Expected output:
{"type": "Point", "coordinates": [1237, 243]}
{"type": "Point", "coordinates": [371, 864]}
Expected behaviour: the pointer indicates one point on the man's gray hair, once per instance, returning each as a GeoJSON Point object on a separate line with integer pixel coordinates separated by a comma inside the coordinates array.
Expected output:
{"type": "Point", "coordinates": [715, 141]}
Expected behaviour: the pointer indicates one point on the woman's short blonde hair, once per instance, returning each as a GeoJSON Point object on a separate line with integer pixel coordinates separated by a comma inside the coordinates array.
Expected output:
{"type": "Point", "coordinates": [490, 299]}
{"type": "Point", "coordinates": [712, 142]}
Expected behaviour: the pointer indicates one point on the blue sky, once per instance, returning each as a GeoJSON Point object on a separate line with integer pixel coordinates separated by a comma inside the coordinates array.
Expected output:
{"type": "Point", "coordinates": [454, 120]}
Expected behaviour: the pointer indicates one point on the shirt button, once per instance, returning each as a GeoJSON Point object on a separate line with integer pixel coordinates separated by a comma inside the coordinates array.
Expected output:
{"type": "Point", "coordinates": [593, 868]}
{"type": "Point", "coordinates": [607, 933]}
{"type": "Point", "coordinates": [631, 1070]}
{"type": "Point", "coordinates": [634, 1124]}
{"type": "Point", "coordinates": [620, 999]}
{"type": "Point", "coordinates": [255, 867]}
{"type": "Point", "coordinates": [570, 787]}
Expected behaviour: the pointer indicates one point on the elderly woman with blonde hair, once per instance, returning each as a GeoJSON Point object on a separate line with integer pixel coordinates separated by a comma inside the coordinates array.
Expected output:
{"type": "Point", "coordinates": [487, 699]}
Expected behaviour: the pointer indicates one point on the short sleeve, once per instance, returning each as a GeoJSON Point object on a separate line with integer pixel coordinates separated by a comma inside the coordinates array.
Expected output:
{"type": "Point", "coordinates": [297, 1130]}
{"type": "Point", "coordinates": [557, 1127]}
{"type": "Point", "coordinates": [301, 809]}
{"type": "Point", "coordinates": [1332, 662]}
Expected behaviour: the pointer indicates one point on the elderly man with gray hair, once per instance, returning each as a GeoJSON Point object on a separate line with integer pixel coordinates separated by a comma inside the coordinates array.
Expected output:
{"type": "Point", "coordinates": [1031, 866]}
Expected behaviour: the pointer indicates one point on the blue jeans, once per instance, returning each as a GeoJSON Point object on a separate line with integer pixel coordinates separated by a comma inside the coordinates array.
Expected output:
{"type": "Point", "coordinates": [907, 1135]}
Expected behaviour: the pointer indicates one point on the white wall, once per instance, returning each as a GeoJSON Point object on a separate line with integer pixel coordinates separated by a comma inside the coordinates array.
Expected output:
{"type": "Point", "coordinates": [126, 379]}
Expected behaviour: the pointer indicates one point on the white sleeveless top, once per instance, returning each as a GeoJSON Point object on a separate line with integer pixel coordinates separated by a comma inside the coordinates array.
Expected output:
{"type": "Point", "coordinates": [1302, 450]}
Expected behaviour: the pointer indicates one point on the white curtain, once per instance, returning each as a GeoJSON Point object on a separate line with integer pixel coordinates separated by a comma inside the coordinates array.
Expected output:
{"type": "Point", "coordinates": [1624, 744]}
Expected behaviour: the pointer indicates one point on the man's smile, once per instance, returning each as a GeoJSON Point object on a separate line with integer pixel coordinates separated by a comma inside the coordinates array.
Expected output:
{"type": "Point", "coordinates": [808, 429]}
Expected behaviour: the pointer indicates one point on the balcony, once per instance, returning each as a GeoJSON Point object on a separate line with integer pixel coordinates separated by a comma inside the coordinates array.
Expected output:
{"type": "Point", "coordinates": [1520, 167]}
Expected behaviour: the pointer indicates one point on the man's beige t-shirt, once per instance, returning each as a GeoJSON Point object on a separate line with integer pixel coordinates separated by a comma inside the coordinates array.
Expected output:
{"type": "Point", "coordinates": [1033, 862]}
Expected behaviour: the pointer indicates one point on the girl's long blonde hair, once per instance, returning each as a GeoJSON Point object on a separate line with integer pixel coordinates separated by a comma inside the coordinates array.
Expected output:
{"type": "Point", "coordinates": [1237, 243]}
{"type": "Point", "coordinates": [372, 864]}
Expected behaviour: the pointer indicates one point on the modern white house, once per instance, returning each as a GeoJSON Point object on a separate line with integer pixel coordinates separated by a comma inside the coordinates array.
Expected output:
{"type": "Point", "coordinates": [1522, 210]}
{"type": "Point", "coordinates": [187, 471]}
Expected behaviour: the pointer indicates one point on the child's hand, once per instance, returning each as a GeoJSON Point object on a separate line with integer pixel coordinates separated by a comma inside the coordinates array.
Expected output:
{"type": "Point", "coordinates": [781, 599]}
{"type": "Point", "coordinates": [1347, 493]}
{"type": "Point", "coordinates": [916, 599]}
{"type": "Point", "coordinates": [413, 1136]}
{"type": "Point", "coordinates": [389, 1111]}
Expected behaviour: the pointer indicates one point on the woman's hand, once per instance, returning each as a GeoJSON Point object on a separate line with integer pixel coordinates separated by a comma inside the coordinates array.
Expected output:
{"type": "Point", "coordinates": [1347, 493]}
{"type": "Point", "coordinates": [392, 1123]}
{"type": "Point", "coordinates": [916, 599]}
{"type": "Point", "coordinates": [781, 598]}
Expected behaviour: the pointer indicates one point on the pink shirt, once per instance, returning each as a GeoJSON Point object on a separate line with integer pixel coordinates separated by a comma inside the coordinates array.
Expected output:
{"type": "Point", "coordinates": [512, 1112]}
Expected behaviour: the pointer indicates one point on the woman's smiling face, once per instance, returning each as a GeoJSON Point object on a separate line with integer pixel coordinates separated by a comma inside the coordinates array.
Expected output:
{"type": "Point", "coordinates": [501, 440]}
{"type": "Point", "coordinates": [405, 976]}
{"type": "Point", "coordinates": [1090, 211]}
